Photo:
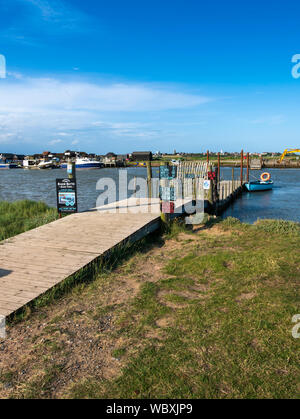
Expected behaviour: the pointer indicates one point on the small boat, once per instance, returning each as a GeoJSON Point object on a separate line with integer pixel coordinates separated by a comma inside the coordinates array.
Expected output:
{"type": "Point", "coordinates": [50, 164]}
{"type": "Point", "coordinates": [4, 165]}
{"type": "Point", "coordinates": [259, 186]}
{"type": "Point", "coordinates": [85, 163]}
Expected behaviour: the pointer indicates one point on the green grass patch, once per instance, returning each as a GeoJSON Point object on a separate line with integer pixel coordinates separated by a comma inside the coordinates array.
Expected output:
{"type": "Point", "coordinates": [20, 216]}
{"type": "Point", "coordinates": [232, 338]}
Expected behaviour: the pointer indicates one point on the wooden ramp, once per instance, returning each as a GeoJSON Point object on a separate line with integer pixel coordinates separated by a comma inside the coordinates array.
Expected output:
{"type": "Point", "coordinates": [33, 262]}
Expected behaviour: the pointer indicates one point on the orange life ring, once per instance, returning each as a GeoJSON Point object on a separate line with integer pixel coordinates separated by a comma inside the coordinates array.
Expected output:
{"type": "Point", "coordinates": [265, 177]}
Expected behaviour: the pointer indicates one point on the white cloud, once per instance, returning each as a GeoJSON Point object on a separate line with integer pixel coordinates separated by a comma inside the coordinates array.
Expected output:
{"type": "Point", "coordinates": [64, 134]}
{"type": "Point", "coordinates": [269, 120]}
{"type": "Point", "coordinates": [54, 142]}
{"type": "Point", "coordinates": [59, 13]}
{"type": "Point", "coordinates": [38, 109]}
{"type": "Point", "coordinates": [46, 10]}
{"type": "Point", "coordinates": [36, 94]}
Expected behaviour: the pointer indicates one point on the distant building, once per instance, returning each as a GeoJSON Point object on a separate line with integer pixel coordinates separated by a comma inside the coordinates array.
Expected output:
{"type": "Point", "coordinates": [142, 156]}
{"type": "Point", "coordinates": [7, 157]}
{"type": "Point", "coordinates": [70, 153]}
{"type": "Point", "coordinates": [111, 155]}
{"type": "Point", "coordinates": [122, 157]}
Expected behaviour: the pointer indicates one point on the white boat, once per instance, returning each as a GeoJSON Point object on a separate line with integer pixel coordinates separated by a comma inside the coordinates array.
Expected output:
{"type": "Point", "coordinates": [85, 163]}
{"type": "Point", "coordinates": [29, 164]}
{"type": "Point", "coordinates": [50, 164]}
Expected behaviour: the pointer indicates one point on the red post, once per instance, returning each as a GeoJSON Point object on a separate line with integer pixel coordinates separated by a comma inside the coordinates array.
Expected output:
{"type": "Point", "coordinates": [247, 167]}
{"type": "Point", "coordinates": [207, 156]}
{"type": "Point", "coordinates": [242, 166]}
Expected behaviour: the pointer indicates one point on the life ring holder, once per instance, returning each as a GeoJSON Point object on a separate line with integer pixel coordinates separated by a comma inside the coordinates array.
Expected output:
{"type": "Point", "coordinates": [265, 177]}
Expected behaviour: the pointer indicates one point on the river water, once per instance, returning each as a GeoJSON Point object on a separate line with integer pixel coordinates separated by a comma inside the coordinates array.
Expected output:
{"type": "Point", "coordinates": [283, 202]}
{"type": "Point", "coordinates": [40, 185]}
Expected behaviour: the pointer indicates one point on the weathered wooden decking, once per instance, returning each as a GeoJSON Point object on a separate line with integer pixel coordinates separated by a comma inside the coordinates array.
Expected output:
{"type": "Point", "coordinates": [33, 262]}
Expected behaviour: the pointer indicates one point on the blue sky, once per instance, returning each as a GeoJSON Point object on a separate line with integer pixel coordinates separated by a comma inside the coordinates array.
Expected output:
{"type": "Point", "coordinates": [162, 75]}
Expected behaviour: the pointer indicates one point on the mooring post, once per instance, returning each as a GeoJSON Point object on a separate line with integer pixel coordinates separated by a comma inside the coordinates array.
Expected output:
{"type": "Point", "coordinates": [242, 166]}
{"type": "Point", "coordinates": [219, 166]}
{"type": "Point", "coordinates": [248, 167]}
{"type": "Point", "coordinates": [210, 191]}
{"type": "Point", "coordinates": [71, 169]}
{"type": "Point", "coordinates": [165, 218]}
{"type": "Point", "coordinates": [149, 179]}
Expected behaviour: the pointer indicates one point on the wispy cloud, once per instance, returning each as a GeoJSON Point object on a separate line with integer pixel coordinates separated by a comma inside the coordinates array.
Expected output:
{"type": "Point", "coordinates": [36, 18]}
{"type": "Point", "coordinates": [57, 12]}
{"type": "Point", "coordinates": [34, 95]}
{"type": "Point", "coordinates": [47, 11]}
{"type": "Point", "coordinates": [55, 142]}
{"type": "Point", "coordinates": [38, 109]}
{"type": "Point", "coordinates": [269, 120]}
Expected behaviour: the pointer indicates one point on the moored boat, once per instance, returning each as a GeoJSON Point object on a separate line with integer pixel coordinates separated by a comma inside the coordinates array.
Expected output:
{"type": "Point", "coordinates": [259, 186]}
{"type": "Point", "coordinates": [50, 164]}
{"type": "Point", "coordinates": [8, 165]}
{"type": "Point", "coordinates": [85, 163]}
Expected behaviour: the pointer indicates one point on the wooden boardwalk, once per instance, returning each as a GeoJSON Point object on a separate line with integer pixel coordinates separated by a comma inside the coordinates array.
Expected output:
{"type": "Point", "coordinates": [34, 262]}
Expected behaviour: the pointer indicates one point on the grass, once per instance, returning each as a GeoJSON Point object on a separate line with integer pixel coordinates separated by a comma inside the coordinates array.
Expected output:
{"type": "Point", "coordinates": [200, 314]}
{"type": "Point", "coordinates": [18, 217]}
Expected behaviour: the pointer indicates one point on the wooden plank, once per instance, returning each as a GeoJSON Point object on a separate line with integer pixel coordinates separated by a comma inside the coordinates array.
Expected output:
{"type": "Point", "coordinates": [35, 261]}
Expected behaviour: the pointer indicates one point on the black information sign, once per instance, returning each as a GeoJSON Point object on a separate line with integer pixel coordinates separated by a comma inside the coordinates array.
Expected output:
{"type": "Point", "coordinates": [66, 195]}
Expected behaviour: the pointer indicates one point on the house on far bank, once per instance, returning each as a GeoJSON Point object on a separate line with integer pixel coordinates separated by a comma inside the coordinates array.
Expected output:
{"type": "Point", "coordinates": [111, 156]}
{"type": "Point", "coordinates": [11, 157]}
{"type": "Point", "coordinates": [122, 157]}
{"type": "Point", "coordinates": [141, 156]}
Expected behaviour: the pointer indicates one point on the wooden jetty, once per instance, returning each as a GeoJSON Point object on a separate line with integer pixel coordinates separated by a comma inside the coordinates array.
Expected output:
{"type": "Point", "coordinates": [229, 190]}
{"type": "Point", "coordinates": [34, 262]}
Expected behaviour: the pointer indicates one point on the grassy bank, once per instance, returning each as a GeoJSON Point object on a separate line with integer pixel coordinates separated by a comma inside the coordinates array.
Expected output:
{"type": "Point", "coordinates": [203, 313]}
{"type": "Point", "coordinates": [20, 216]}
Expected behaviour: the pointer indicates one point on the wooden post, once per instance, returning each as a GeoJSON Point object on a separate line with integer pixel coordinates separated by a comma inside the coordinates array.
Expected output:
{"type": "Point", "coordinates": [71, 168]}
{"type": "Point", "coordinates": [165, 218]}
{"type": "Point", "coordinates": [242, 166]}
{"type": "Point", "coordinates": [207, 157]}
{"type": "Point", "coordinates": [247, 167]}
{"type": "Point", "coordinates": [219, 167]}
{"type": "Point", "coordinates": [149, 179]}
{"type": "Point", "coordinates": [210, 191]}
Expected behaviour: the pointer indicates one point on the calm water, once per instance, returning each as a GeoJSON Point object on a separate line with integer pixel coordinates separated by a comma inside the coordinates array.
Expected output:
{"type": "Point", "coordinates": [39, 185]}
{"type": "Point", "coordinates": [282, 202]}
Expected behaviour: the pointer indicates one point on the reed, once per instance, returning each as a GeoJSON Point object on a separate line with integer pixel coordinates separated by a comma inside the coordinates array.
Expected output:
{"type": "Point", "coordinates": [20, 216]}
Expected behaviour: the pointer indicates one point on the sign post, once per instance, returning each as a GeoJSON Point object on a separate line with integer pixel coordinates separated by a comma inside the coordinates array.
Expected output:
{"type": "Point", "coordinates": [66, 190]}
{"type": "Point", "coordinates": [167, 192]}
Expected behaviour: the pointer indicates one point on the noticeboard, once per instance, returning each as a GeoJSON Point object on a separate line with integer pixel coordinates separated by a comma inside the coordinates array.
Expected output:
{"type": "Point", "coordinates": [167, 192]}
{"type": "Point", "coordinates": [66, 195]}
{"type": "Point", "coordinates": [167, 172]}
